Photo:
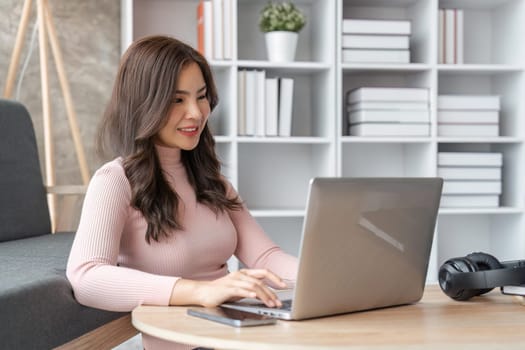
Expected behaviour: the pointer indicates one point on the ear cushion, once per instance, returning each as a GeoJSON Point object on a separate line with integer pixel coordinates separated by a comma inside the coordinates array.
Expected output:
{"type": "Point", "coordinates": [452, 267]}
{"type": "Point", "coordinates": [484, 262]}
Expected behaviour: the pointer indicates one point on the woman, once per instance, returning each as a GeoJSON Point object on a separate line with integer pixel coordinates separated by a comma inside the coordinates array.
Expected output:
{"type": "Point", "coordinates": [159, 222]}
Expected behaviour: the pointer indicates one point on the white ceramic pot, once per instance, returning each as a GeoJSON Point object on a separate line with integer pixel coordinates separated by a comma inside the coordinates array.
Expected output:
{"type": "Point", "coordinates": [281, 45]}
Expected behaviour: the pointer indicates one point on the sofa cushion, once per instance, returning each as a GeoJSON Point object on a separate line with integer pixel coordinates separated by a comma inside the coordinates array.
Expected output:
{"type": "Point", "coordinates": [24, 211]}
{"type": "Point", "coordinates": [37, 306]}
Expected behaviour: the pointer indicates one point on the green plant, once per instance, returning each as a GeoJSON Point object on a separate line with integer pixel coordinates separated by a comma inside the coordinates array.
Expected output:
{"type": "Point", "coordinates": [281, 16]}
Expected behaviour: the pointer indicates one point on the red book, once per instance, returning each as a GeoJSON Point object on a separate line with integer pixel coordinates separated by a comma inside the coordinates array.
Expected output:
{"type": "Point", "coordinates": [200, 27]}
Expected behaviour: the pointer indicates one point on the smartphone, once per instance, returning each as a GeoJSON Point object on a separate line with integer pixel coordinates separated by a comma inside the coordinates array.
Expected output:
{"type": "Point", "coordinates": [231, 317]}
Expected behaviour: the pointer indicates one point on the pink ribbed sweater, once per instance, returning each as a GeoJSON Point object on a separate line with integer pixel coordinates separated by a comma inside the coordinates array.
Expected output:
{"type": "Point", "coordinates": [112, 267]}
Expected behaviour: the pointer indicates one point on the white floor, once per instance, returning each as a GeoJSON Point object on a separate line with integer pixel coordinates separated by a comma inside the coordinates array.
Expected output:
{"type": "Point", "coordinates": [134, 343]}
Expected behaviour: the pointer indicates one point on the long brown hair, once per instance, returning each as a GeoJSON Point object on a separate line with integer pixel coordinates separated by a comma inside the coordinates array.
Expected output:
{"type": "Point", "coordinates": [138, 109]}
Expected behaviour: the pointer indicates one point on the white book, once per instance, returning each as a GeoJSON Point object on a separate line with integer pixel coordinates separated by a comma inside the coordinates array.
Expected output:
{"type": "Point", "coordinates": [369, 26]}
{"type": "Point", "coordinates": [363, 41]}
{"type": "Point", "coordinates": [208, 29]}
{"type": "Point", "coordinates": [486, 159]}
{"type": "Point", "coordinates": [471, 187]}
{"type": "Point", "coordinates": [513, 290]}
{"type": "Point", "coordinates": [227, 22]}
{"type": "Point", "coordinates": [390, 106]}
{"type": "Point", "coordinates": [260, 102]}
{"type": "Point", "coordinates": [459, 36]}
{"type": "Point", "coordinates": [469, 173]}
{"type": "Point", "coordinates": [286, 87]}
{"type": "Point", "coordinates": [450, 36]}
{"type": "Point", "coordinates": [470, 201]}
{"type": "Point", "coordinates": [469, 102]}
{"type": "Point", "coordinates": [441, 36]}
{"type": "Point", "coordinates": [272, 107]}
{"type": "Point", "coordinates": [251, 104]}
{"type": "Point", "coordinates": [389, 129]}
{"type": "Point", "coordinates": [218, 31]}
{"type": "Point", "coordinates": [394, 116]}
{"type": "Point", "coordinates": [474, 130]}
{"type": "Point", "coordinates": [450, 116]}
{"type": "Point", "coordinates": [387, 94]}
{"type": "Point", "coordinates": [241, 103]}
{"type": "Point", "coordinates": [375, 56]}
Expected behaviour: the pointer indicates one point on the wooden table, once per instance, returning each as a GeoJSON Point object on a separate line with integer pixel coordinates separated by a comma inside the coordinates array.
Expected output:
{"type": "Point", "coordinates": [493, 321]}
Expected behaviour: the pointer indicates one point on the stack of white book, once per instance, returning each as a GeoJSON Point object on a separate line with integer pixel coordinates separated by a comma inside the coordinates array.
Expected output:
{"type": "Point", "coordinates": [374, 111]}
{"type": "Point", "coordinates": [468, 115]}
{"type": "Point", "coordinates": [376, 41]}
{"type": "Point", "coordinates": [471, 179]}
{"type": "Point", "coordinates": [215, 29]}
{"type": "Point", "coordinates": [265, 104]}
{"type": "Point", "coordinates": [450, 37]}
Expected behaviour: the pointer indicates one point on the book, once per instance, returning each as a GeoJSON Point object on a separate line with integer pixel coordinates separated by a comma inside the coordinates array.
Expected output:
{"type": "Point", "coordinates": [387, 94]}
{"type": "Point", "coordinates": [251, 85]}
{"type": "Point", "coordinates": [241, 103]}
{"type": "Point", "coordinates": [227, 23]}
{"type": "Point", "coordinates": [471, 187]}
{"type": "Point", "coordinates": [260, 103]}
{"type": "Point", "coordinates": [451, 116]}
{"type": "Point", "coordinates": [200, 27]}
{"type": "Point", "coordinates": [469, 173]}
{"type": "Point", "coordinates": [375, 56]}
{"type": "Point", "coordinates": [441, 36]}
{"type": "Point", "coordinates": [485, 159]}
{"type": "Point", "coordinates": [386, 116]}
{"type": "Point", "coordinates": [389, 129]}
{"type": "Point", "coordinates": [469, 201]}
{"type": "Point", "coordinates": [513, 290]}
{"type": "Point", "coordinates": [363, 41]}
{"type": "Point", "coordinates": [208, 29]}
{"type": "Point", "coordinates": [450, 33]}
{"type": "Point", "coordinates": [459, 36]}
{"type": "Point", "coordinates": [388, 105]}
{"type": "Point", "coordinates": [469, 130]}
{"type": "Point", "coordinates": [272, 107]}
{"type": "Point", "coordinates": [286, 88]}
{"type": "Point", "coordinates": [370, 26]}
{"type": "Point", "coordinates": [218, 30]}
{"type": "Point", "coordinates": [469, 102]}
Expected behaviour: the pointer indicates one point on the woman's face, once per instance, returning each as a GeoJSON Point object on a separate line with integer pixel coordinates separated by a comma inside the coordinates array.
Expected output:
{"type": "Point", "coordinates": [188, 112]}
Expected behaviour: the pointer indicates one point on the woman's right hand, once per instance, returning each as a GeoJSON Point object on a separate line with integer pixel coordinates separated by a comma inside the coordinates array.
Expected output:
{"type": "Point", "coordinates": [245, 283]}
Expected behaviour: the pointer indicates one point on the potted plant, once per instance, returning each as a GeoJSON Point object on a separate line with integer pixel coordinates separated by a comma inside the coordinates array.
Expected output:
{"type": "Point", "coordinates": [281, 23]}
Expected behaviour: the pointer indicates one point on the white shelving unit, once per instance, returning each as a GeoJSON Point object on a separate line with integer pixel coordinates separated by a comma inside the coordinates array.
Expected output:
{"type": "Point", "coordinates": [272, 174]}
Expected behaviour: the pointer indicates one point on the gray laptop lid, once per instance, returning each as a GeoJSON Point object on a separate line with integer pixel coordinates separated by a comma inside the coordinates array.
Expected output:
{"type": "Point", "coordinates": [366, 244]}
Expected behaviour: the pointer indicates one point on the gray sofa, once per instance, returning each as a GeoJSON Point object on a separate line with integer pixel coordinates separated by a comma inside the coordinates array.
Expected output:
{"type": "Point", "coordinates": [37, 306]}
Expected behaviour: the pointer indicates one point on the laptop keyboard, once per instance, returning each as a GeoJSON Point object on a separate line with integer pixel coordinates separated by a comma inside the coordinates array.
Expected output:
{"type": "Point", "coordinates": [287, 304]}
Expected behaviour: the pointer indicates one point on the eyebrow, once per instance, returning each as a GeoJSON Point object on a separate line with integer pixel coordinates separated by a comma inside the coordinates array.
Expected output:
{"type": "Point", "coordinates": [184, 92]}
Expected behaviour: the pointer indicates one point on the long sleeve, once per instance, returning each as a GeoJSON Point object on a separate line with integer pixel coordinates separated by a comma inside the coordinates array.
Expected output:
{"type": "Point", "coordinates": [92, 267]}
{"type": "Point", "coordinates": [256, 250]}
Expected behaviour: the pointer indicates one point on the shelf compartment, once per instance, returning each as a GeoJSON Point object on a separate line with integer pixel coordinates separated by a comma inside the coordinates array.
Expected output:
{"type": "Point", "coordinates": [419, 12]}
{"type": "Point", "coordinates": [512, 169]}
{"type": "Point", "coordinates": [492, 30]}
{"type": "Point", "coordinates": [507, 85]}
{"type": "Point", "coordinates": [388, 160]}
{"type": "Point", "coordinates": [316, 42]}
{"type": "Point", "coordinates": [277, 176]}
{"type": "Point", "coordinates": [459, 235]}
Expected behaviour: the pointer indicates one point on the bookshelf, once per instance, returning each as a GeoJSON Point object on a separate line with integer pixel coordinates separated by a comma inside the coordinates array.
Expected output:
{"type": "Point", "coordinates": [272, 173]}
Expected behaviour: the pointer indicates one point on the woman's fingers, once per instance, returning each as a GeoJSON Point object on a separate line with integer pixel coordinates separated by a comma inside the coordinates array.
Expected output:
{"type": "Point", "coordinates": [253, 280]}
{"type": "Point", "coordinates": [263, 273]}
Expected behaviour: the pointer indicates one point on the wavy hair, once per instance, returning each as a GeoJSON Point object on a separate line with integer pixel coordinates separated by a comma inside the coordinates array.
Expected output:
{"type": "Point", "coordinates": [142, 95]}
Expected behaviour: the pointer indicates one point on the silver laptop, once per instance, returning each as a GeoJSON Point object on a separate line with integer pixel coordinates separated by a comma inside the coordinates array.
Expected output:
{"type": "Point", "coordinates": [365, 244]}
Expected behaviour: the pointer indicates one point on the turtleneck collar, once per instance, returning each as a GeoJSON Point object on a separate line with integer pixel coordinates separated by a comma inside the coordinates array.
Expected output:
{"type": "Point", "coordinates": [169, 156]}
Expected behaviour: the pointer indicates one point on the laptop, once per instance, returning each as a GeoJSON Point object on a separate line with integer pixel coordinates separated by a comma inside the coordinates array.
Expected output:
{"type": "Point", "coordinates": [365, 245]}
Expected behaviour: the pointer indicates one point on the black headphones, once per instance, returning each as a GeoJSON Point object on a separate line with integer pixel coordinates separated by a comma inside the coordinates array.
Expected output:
{"type": "Point", "coordinates": [478, 273]}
